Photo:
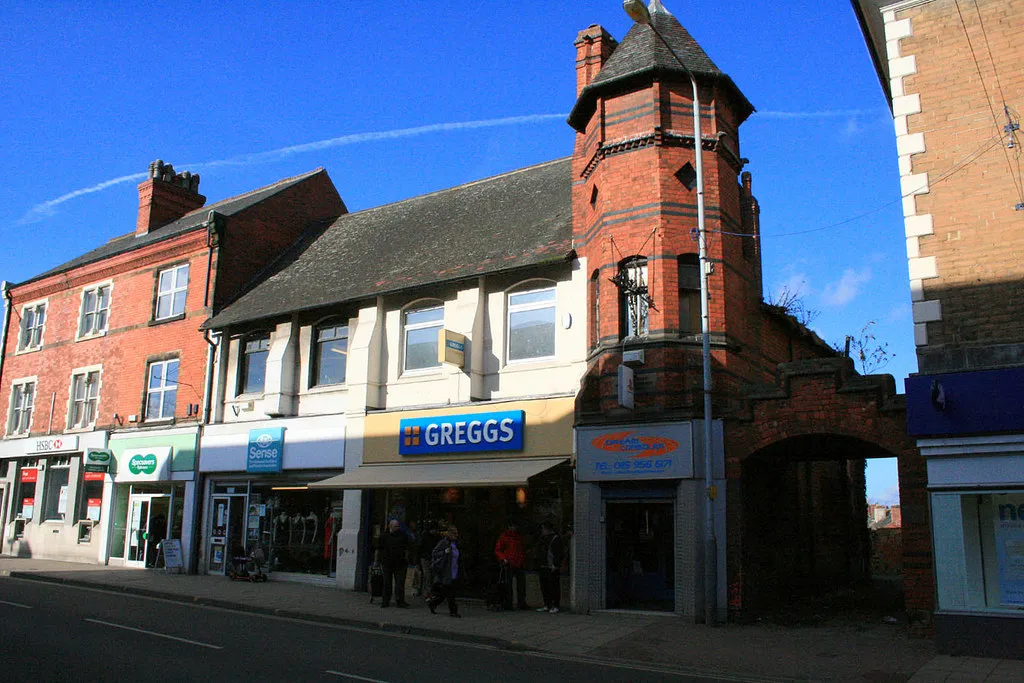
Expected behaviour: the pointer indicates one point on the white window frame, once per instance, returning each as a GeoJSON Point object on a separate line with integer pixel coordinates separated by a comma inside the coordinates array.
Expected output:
{"type": "Point", "coordinates": [511, 309]}
{"type": "Point", "coordinates": [420, 307]}
{"type": "Point", "coordinates": [243, 364]}
{"type": "Point", "coordinates": [19, 409]}
{"type": "Point", "coordinates": [336, 325]}
{"type": "Point", "coordinates": [37, 328]}
{"type": "Point", "coordinates": [162, 390]}
{"type": "Point", "coordinates": [92, 379]}
{"type": "Point", "coordinates": [171, 292]}
{"type": "Point", "coordinates": [99, 312]}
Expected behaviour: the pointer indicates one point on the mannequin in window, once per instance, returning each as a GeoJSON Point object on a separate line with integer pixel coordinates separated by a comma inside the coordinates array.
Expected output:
{"type": "Point", "coordinates": [311, 524]}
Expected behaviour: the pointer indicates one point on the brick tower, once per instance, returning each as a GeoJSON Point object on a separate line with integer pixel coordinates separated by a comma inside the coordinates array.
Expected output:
{"type": "Point", "coordinates": [635, 217]}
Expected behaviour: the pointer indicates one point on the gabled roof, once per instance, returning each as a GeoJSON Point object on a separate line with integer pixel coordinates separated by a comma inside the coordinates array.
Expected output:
{"type": "Point", "coordinates": [642, 54]}
{"type": "Point", "coordinates": [189, 222]}
{"type": "Point", "coordinates": [517, 219]}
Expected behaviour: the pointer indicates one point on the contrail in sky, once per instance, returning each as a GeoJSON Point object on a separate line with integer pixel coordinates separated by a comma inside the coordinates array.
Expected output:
{"type": "Point", "coordinates": [825, 114]}
{"type": "Point", "coordinates": [46, 209]}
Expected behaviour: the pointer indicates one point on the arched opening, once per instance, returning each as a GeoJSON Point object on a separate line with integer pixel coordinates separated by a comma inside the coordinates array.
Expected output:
{"type": "Point", "coordinates": [807, 546]}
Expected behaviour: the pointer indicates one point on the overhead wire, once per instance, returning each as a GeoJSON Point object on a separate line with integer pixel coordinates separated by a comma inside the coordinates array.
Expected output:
{"type": "Point", "coordinates": [973, 156]}
{"type": "Point", "coordinates": [1016, 179]}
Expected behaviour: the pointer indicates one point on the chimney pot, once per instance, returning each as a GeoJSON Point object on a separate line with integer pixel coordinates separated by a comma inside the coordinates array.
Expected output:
{"type": "Point", "coordinates": [166, 196]}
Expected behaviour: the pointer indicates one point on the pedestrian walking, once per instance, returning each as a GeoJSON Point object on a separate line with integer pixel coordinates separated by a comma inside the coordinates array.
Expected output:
{"type": "Point", "coordinates": [549, 558]}
{"type": "Point", "coordinates": [394, 560]}
{"type": "Point", "coordinates": [428, 541]}
{"type": "Point", "coordinates": [446, 568]}
{"type": "Point", "coordinates": [511, 553]}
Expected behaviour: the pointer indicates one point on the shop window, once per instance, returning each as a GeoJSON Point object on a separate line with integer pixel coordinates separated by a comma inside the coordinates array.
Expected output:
{"type": "Point", "coordinates": [634, 300]}
{"type": "Point", "coordinates": [25, 494]}
{"type": "Point", "coordinates": [979, 550]}
{"type": "Point", "coordinates": [330, 355]}
{"type": "Point", "coordinates": [95, 306]}
{"type": "Point", "coordinates": [689, 294]}
{"type": "Point", "coordinates": [253, 375]}
{"type": "Point", "coordinates": [85, 395]}
{"type": "Point", "coordinates": [90, 498]}
{"type": "Point", "coordinates": [55, 497]}
{"type": "Point", "coordinates": [161, 389]}
{"type": "Point", "coordinates": [33, 319]}
{"type": "Point", "coordinates": [421, 327]}
{"type": "Point", "coordinates": [22, 400]}
{"type": "Point", "coordinates": [172, 285]}
{"type": "Point", "coordinates": [531, 324]}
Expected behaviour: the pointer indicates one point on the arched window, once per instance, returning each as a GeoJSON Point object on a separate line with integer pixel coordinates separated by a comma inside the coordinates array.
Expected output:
{"type": "Point", "coordinates": [689, 294]}
{"type": "Point", "coordinates": [531, 322]}
{"type": "Point", "coordinates": [634, 300]}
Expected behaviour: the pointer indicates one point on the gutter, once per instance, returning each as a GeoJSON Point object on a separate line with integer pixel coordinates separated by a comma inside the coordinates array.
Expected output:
{"type": "Point", "coordinates": [214, 227]}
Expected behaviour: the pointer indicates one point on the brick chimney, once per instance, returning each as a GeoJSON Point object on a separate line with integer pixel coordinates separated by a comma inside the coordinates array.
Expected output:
{"type": "Point", "coordinates": [166, 196]}
{"type": "Point", "coordinates": [594, 46]}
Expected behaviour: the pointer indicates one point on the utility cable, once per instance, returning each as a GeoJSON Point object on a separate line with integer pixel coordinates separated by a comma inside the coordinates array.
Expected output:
{"type": "Point", "coordinates": [988, 100]}
{"type": "Point", "coordinates": [945, 175]}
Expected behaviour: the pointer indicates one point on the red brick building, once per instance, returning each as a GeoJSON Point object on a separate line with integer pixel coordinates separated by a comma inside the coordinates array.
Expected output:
{"type": "Point", "coordinates": [792, 420]}
{"type": "Point", "coordinates": [951, 72]}
{"type": "Point", "coordinates": [104, 368]}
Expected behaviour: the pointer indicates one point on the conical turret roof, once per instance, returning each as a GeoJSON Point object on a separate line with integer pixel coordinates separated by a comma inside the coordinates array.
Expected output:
{"type": "Point", "coordinates": [642, 54]}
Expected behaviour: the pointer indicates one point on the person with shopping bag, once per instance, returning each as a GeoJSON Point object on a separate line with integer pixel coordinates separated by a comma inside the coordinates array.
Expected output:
{"type": "Point", "coordinates": [511, 553]}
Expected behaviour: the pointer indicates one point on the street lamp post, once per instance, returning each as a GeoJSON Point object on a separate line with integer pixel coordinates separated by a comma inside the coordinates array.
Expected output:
{"type": "Point", "coordinates": [639, 13]}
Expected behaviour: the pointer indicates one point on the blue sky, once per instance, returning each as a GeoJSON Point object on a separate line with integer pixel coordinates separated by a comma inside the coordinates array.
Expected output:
{"type": "Point", "coordinates": [402, 98]}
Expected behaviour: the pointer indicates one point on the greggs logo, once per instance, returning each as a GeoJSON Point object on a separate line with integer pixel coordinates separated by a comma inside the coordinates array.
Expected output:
{"type": "Point", "coordinates": [636, 446]}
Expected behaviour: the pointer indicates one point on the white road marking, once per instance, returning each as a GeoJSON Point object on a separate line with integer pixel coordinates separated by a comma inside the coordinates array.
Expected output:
{"type": "Point", "coordinates": [153, 633]}
{"type": "Point", "coordinates": [15, 604]}
{"type": "Point", "coordinates": [354, 677]}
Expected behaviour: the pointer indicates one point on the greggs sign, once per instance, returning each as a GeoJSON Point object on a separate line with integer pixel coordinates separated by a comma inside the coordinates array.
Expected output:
{"type": "Point", "coordinates": [635, 452]}
{"type": "Point", "coordinates": [472, 432]}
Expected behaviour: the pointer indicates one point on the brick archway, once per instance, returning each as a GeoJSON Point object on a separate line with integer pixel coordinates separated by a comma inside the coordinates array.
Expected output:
{"type": "Point", "coordinates": [820, 411]}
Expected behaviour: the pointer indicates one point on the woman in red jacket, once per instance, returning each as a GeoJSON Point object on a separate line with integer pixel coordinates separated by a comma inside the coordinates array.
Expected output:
{"type": "Point", "coordinates": [511, 553]}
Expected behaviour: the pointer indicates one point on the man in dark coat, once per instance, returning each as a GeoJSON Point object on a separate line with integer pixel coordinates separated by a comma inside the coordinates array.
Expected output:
{"type": "Point", "coordinates": [394, 560]}
{"type": "Point", "coordinates": [550, 551]}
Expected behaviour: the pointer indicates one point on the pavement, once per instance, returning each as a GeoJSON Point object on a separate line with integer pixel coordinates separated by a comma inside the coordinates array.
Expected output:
{"type": "Point", "coordinates": [838, 650]}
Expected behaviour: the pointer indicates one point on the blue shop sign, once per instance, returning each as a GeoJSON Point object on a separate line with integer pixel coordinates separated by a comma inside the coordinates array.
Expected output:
{"type": "Point", "coordinates": [265, 451]}
{"type": "Point", "coordinates": [498, 431]}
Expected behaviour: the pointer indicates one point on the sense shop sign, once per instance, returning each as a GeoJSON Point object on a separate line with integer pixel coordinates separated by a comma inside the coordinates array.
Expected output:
{"type": "Point", "coordinates": [265, 452]}
{"type": "Point", "coordinates": [640, 451]}
{"type": "Point", "coordinates": [144, 464]}
{"type": "Point", "coordinates": [466, 433]}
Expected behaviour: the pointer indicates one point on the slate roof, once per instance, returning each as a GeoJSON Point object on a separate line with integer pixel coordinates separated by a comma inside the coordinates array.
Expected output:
{"type": "Point", "coordinates": [642, 54]}
{"type": "Point", "coordinates": [190, 221]}
{"type": "Point", "coordinates": [517, 219]}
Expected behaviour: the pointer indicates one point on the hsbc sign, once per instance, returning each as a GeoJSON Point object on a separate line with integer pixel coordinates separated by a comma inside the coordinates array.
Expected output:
{"type": "Point", "coordinates": [56, 444]}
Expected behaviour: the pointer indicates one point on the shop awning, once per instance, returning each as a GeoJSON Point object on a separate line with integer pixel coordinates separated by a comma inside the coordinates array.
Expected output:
{"type": "Point", "coordinates": [438, 474]}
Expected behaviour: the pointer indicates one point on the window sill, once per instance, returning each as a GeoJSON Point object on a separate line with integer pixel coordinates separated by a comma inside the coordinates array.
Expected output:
{"type": "Point", "coordinates": [423, 374]}
{"type": "Point", "coordinates": [18, 435]}
{"type": "Point", "coordinates": [79, 430]}
{"type": "Point", "coordinates": [169, 319]}
{"type": "Point", "coordinates": [158, 422]}
{"type": "Point", "coordinates": [326, 388]}
{"type": "Point", "coordinates": [528, 363]}
{"type": "Point", "coordinates": [93, 335]}
{"type": "Point", "coordinates": [28, 349]}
